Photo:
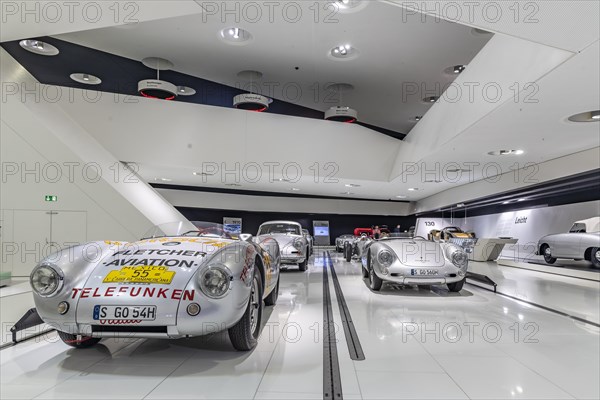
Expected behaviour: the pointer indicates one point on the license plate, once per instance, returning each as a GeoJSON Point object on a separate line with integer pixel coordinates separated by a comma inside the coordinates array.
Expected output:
{"type": "Point", "coordinates": [424, 272]}
{"type": "Point", "coordinates": [141, 313]}
{"type": "Point", "coordinates": [141, 274]}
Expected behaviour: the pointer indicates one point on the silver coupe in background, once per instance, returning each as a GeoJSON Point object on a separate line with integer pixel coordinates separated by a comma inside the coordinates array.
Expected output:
{"type": "Point", "coordinates": [294, 246]}
{"type": "Point", "coordinates": [582, 242]}
{"type": "Point", "coordinates": [414, 261]}
{"type": "Point", "coordinates": [184, 279]}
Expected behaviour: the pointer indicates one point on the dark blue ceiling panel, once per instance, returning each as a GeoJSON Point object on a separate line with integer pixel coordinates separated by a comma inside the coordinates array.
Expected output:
{"type": "Point", "coordinates": [121, 75]}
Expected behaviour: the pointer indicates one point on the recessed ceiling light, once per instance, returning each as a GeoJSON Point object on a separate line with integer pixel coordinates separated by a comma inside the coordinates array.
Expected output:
{"type": "Point", "coordinates": [413, 189]}
{"type": "Point", "coordinates": [343, 52]}
{"type": "Point", "coordinates": [346, 6]}
{"type": "Point", "coordinates": [86, 79]}
{"type": "Point", "coordinates": [460, 205]}
{"type": "Point", "coordinates": [282, 180]}
{"type": "Point", "coordinates": [347, 193]}
{"type": "Point", "coordinates": [506, 202]}
{"type": "Point", "coordinates": [521, 199]}
{"type": "Point", "coordinates": [295, 189]}
{"type": "Point", "coordinates": [352, 185]}
{"type": "Point", "coordinates": [164, 179]}
{"type": "Point", "coordinates": [202, 174]}
{"type": "Point", "coordinates": [431, 99]}
{"type": "Point", "coordinates": [418, 118]}
{"type": "Point", "coordinates": [185, 91]}
{"type": "Point", "coordinates": [589, 116]}
{"type": "Point", "coordinates": [506, 153]}
{"type": "Point", "coordinates": [39, 47]}
{"type": "Point", "coordinates": [401, 197]}
{"type": "Point", "coordinates": [455, 69]}
{"type": "Point", "coordinates": [235, 35]}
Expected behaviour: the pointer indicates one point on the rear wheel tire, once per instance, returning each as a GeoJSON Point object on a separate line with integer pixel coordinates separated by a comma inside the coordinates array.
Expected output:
{"type": "Point", "coordinates": [271, 299]}
{"type": "Point", "coordinates": [456, 286]}
{"type": "Point", "coordinates": [595, 257]}
{"type": "Point", "coordinates": [547, 255]}
{"type": "Point", "coordinates": [78, 341]}
{"type": "Point", "coordinates": [244, 334]}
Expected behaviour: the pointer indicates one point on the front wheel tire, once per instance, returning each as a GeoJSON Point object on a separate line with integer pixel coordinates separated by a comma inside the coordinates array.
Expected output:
{"type": "Point", "coordinates": [456, 286]}
{"type": "Point", "coordinates": [78, 341]}
{"type": "Point", "coordinates": [547, 255]}
{"type": "Point", "coordinates": [271, 299]}
{"type": "Point", "coordinates": [375, 282]}
{"type": "Point", "coordinates": [244, 334]}
{"type": "Point", "coordinates": [302, 265]}
{"type": "Point", "coordinates": [595, 257]}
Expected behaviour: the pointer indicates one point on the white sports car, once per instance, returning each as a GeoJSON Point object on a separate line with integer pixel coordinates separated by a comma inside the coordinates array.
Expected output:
{"type": "Point", "coordinates": [182, 280]}
{"type": "Point", "coordinates": [294, 246]}
{"type": "Point", "coordinates": [414, 261]}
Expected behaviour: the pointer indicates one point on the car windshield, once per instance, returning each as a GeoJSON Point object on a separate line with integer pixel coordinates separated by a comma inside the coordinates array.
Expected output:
{"type": "Point", "coordinates": [270, 229]}
{"type": "Point", "coordinates": [188, 229]}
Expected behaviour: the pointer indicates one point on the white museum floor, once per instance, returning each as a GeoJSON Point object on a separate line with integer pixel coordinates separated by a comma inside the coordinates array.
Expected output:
{"type": "Point", "coordinates": [418, 343]}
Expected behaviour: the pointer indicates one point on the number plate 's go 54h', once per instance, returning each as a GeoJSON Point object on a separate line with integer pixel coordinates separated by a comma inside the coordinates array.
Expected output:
{"type": "Point", "coordinates": [142, 313]}
{"type": "Point", "coordinates": [141, 274]}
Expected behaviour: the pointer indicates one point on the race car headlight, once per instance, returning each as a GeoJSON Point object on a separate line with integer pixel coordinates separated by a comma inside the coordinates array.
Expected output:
{"type": "Point", "coordinates": [297, 244]}
{"type": "Point", "coordinates": [459, 258]}
{"type": "Point", "coordinates": [385, 258]}
{"type": "Point", "coordinates": [46, 280]}
{"type": "Point", "coordinates": [215, 281]}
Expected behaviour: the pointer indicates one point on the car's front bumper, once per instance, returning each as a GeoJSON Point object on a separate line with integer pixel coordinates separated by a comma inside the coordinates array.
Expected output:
{"type": "Point", "coordinates": [407, 275]}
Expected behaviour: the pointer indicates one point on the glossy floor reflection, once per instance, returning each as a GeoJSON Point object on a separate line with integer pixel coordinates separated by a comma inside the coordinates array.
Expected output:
{"type": "Point", "coordinates": [419, 343]}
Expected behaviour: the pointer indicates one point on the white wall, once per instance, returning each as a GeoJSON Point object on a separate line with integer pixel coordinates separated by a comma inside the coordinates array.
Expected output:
{"type": "Point", "coordinates": [221, 201]}
{"type": "Point", "coordinates": [527, 225]}
{"type": "Point", "coordinates": [43, 152]}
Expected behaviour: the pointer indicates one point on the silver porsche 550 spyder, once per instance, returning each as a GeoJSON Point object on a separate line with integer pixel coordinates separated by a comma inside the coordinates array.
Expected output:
{"type": "Point", "coordinates": [294, 246]}
{"type": "Point", "coordinates": [414, 261]}
{"type": "Point", "coordinates": [182, 280]}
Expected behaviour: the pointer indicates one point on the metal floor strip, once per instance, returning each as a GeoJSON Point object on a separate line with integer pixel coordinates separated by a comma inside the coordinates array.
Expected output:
{"type": "Point", "coordinates": [352, 339]}
{"type": "Point", "coordinates": [332, 383]}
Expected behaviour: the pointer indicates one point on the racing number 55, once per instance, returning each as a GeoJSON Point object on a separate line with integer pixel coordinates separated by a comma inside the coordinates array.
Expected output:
{"type": "Point", "coordinates": [140, 274]}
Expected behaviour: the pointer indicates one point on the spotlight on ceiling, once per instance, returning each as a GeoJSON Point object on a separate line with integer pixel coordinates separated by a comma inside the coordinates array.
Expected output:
{"type": "Point", "coordinates": [235, 35]}
{"type": "Point", "coordinates": [588, 116]}
{"type": "Point", "coordinates": [341, 114]}
{"type": "Point", "coordinates": [155, 88]}
{"type": "Point", "coordinates": [185, 91]}
{"type": "Point", "coordinates": [343, 52]}
{"type": "Point", "coordinates": [39, 47]}
{"type": "Point", "coordinates": [251, 102]}
{"type": "Point", "coordinates": [431, 99]}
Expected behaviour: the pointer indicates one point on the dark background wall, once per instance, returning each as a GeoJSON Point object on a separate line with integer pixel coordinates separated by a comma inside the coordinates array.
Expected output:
{"type": "Point", "coordinates": [338, 224]}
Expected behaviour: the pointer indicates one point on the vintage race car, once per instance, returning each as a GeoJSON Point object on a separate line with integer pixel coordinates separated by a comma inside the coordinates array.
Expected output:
{"type": "Point", "coordinates": [582, 242]}
{"type": "Point", "coordinates": [356, 247]}
{"type": "Point", "coordinates": [414, 261]}
{"type": "Point", "coordinates": [450, 232]}
{"type": "Point", "coordinates": [182, 280]}
{"type": "Point", "coordinates": [310, 240]}
{"type": "Point", "coordinates": [294, 246]}
{"type": "Point", "coordinates": [340, 241]}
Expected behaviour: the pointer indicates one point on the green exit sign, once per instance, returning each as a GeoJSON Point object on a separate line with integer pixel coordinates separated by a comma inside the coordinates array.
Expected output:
{"type": "Point", "coordinates": [51, 198]}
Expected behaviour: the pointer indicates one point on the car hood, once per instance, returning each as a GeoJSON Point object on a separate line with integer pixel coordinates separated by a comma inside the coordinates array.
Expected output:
{"type": "Point", "coordinates": [153, 272]}
{"type": "Point", "coordinates": [282, 238]}
{"type": "Point", "coordinates": [417, 253]}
